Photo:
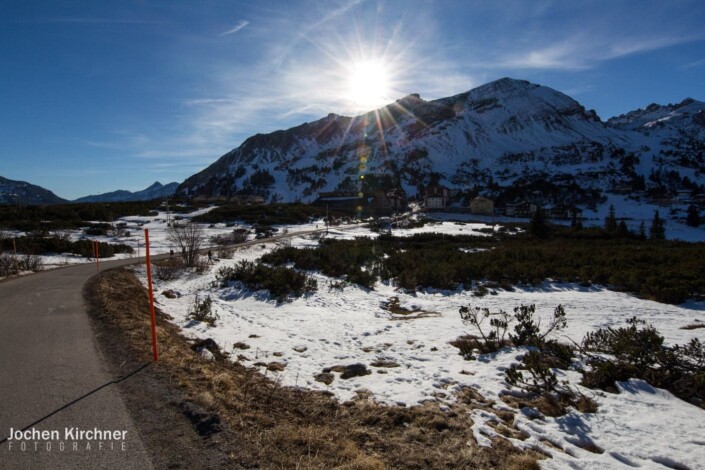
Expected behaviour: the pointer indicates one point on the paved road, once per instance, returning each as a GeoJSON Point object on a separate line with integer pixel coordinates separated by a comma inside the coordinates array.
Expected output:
{"type": "Point", "coordinates": [48, 358]}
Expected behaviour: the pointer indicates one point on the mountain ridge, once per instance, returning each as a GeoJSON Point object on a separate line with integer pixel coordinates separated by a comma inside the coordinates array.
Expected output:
{"type": "Point", "coordinates": [23, 193]}
{"type": "Point", "coordinates": [498, 137]}
{"type": "Point", "coordinates": [155, 191]}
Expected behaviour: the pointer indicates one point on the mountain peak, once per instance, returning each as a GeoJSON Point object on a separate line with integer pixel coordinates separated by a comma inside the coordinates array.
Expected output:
{"type": "Point", "coordinates": [410, 97]}
{"type": "Point", "coordinates": [155, 185]}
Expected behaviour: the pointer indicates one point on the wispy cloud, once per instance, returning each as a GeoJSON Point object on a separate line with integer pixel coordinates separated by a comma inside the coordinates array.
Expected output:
{"type": "Point", "coordinates": [89, 20]}
{"type": "Point", "coordinates": [697, 63]}
{"type": "Point", "coordinates": [583, 51]}
{"type": "Point", "coordinates": [335, 13]}
{"type": "Point", "coordinates": [240, 25]}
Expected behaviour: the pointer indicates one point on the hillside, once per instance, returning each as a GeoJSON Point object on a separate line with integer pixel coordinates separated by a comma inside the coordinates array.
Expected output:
{"type": "Point", "coordinates": [509, 139]}
{"type": "Point", "coordinates": [23, 193]}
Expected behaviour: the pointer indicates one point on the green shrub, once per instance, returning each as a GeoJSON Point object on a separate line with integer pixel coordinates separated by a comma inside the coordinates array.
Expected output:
{"type": "Point", "coordinates": [637, 351]}
{"type": "Point", "coordinates": [435, 260]}
{"type": "Point", "coordinates": [540, 379]}
{"type": "Point", "coordinates": [493, 338]}
{"type": "Point", "coordinates": [528, 331]}
{"type": "Point", "coordinates": [202, 310]}
{"type": "Point", "coordinates": [40, 245]}
{"type": "Point", "coordinates": [281, 282]}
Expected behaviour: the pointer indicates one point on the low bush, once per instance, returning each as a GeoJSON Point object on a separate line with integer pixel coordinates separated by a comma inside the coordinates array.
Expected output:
{"type": "Point", "coordinates": [7, 265]}
{"type": "Point", "coordinates": [540, 379]}
{"type": "Point", "coordinates": [225, 253]}
{"type": "Point", "coordinates": [40, 245]}
{"type": "Point", "coordinates": [281, 282]}
{"type": "Point", "coordinates": [534, 375]}
{"type": "Point", "coordinates": [493, 338]}
{"type": "Point", "coordinates": [528, 331]}
{"type": "Point", "coordinates": [202, 310]}
{"type": "Point", "coordinates": [30, 262]}
{"type": "Point", "coordinates": [11, 266]}
{"type": "Point", "coordinates": [435, 260]}
{"type": "Point", "coordinates": [638, 351]}
{"type": "Point", "coordinates": [169, 269]}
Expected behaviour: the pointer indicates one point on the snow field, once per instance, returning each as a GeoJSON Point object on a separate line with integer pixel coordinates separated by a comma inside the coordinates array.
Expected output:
{"type": "Point", "coordinates": [415, 363]}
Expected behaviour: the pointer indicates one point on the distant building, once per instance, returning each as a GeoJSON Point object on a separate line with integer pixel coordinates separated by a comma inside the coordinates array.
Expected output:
{"type": "Point", "coordinates": [392, 200]}
{"type": "Point", "coordinates": [520, 209]}
{"type": "Point", "coordinates": [436, 197]}
{"type": "Point", "coordinates": [684, 195]}
{"type": "Point", "coordinates": [663, 202]}
{"type": "Point", "coordinates": [622, 188]}
{"type": "Point", "coordinates": [482, 206]}
{"type": "Point", "coordinates": [561, 211]}
{"type": "Point", "coordinates": [342, 200]}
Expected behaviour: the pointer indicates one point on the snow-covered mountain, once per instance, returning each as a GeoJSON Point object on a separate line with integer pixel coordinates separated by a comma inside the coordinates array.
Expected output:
{"type": "Point", "coordinates": [509, 139]}
{"type": "Point", "coordinates": [155, 191]}
{"type": "Point", "coordinates": [21, 192]}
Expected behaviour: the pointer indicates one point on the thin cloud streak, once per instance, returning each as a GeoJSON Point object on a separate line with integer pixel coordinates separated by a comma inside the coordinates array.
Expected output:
{"type": "Point", "coordinates": [97, 21]}
{"type": "Point", "coordinates": [239, 26]}
{"type": "Point", "coordinates": [697, 63]}
{"type": "Point", "coordinates": [581, 52]}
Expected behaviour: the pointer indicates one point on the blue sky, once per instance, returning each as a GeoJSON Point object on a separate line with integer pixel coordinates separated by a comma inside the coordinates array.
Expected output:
{"type": "Point", "coordinates": [97, 96]}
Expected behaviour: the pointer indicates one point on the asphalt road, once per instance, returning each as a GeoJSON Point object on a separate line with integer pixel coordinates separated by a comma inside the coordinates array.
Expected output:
{"type": "Point", "coordinates": [48, 358]}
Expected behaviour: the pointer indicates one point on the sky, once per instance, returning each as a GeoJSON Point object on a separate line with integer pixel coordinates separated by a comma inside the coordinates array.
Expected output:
{"type": "Point", "coordinates": [97, 96]}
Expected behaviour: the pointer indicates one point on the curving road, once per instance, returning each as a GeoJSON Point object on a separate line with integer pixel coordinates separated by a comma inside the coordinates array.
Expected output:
{"type": "Point", "coordinates": [48, 358]}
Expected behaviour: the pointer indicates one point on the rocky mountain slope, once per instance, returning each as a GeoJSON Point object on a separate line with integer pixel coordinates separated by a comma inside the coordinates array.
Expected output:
{"type": "Point", "coordinates": [508, 139]}
{"type": "Point", "coordinates": [155, 191]}
{"type": "Point", "coordinates": [23, 193]}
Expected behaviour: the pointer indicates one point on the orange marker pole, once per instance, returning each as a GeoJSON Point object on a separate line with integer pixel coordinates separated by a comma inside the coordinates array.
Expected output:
{"type": "Point", "coordinates": [96, 249]}
{"type": "Point", "coordinates": [151, 297]}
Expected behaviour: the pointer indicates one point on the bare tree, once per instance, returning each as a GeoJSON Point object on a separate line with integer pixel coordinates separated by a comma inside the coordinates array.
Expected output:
{"type": "Point", "coordinates": [188, 238]}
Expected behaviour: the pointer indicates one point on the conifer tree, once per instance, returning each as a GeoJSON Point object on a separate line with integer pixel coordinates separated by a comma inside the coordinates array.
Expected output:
{"type": "Point", "coordinates": [693, 217]}
{"type": "Point", "coordinates": [622, 228]}
{"type": "Point", "coordinates": [642, 231]}
{"type": "Point", "coordinates": [611, 220]}
{"type": "Point", "coordinates": [658, 229]}
{"type": "Point", "coordinates": [538, 226]}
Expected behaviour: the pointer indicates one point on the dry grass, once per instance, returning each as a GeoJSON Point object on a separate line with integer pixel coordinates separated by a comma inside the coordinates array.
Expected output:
{"type": "Point", "coordinates": [287, 427]}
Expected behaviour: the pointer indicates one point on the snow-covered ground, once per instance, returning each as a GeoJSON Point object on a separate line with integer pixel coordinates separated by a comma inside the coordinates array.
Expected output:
{"type": "Point", "coordinates": [333, 327]}
{"type": "Point", "coordinates": [415, 362]}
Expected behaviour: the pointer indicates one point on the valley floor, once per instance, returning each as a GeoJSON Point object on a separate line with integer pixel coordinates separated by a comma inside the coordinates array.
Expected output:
{"type": "Point", "coordinates": [409, 361]}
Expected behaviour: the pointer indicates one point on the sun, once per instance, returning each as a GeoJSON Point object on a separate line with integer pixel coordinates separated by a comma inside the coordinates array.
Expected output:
{"type": "Point", "coordinates": [368, 84]}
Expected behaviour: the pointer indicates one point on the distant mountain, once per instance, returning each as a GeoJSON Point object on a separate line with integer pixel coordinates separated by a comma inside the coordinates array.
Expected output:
{"type": "Point", "coordinates": [155, 191]}
{"type": "Point", "coordinates": [21, 192]}
{"type": "Point", "coordinates": [508, 139]}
